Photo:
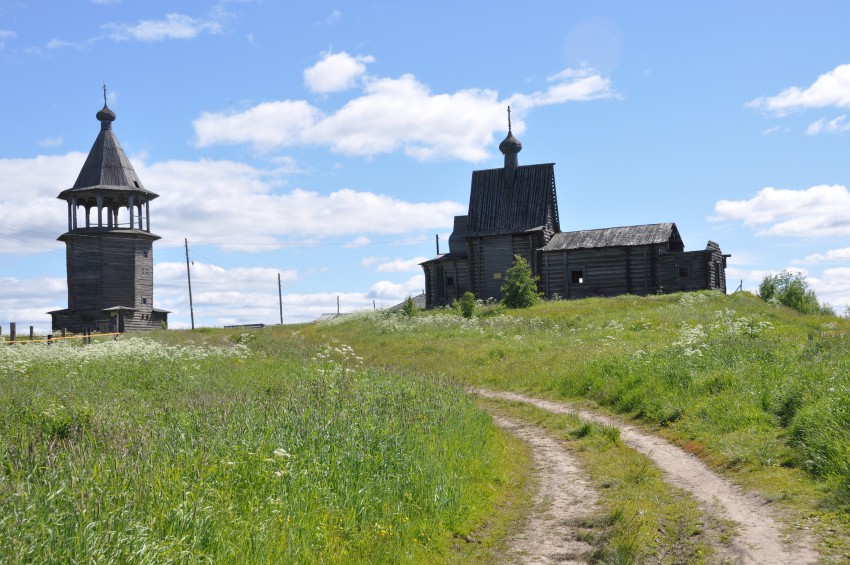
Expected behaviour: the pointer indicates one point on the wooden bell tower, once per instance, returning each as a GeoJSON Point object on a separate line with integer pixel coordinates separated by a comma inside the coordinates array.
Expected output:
{"type": "Point", "coordinates": [109, 245]}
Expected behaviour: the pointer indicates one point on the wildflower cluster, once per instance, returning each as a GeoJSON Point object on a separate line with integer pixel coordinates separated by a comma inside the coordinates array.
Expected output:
{"type": "Point", "coordinates": [334, 360]}
{"type": "Point", "coordinates": [693, 340]}
{"type": "Point", "coordinates": [21, 357]}
{"type": "Point", "coordinates": [494, 326]}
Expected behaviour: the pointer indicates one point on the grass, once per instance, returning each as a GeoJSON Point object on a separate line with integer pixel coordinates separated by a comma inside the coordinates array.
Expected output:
{"type": "Point", "coordinates": [641, 518]}
{"type": "Point", "coordinates": [229, 451]}
{"type": "Point", "coordinates": [760, 392]}
{"type": "Point", "coordinates": [285, 444]}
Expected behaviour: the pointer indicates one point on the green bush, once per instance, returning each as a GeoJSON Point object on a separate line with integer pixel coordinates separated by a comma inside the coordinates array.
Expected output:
{"type": "Point", "coordinates": [409, 309]}
{"type": "Point", "coordinates": [792, 289]}
{"type": "Point", "coordinates": [466, 304]}
{"type": "Point", "coordinates": [520, 288]}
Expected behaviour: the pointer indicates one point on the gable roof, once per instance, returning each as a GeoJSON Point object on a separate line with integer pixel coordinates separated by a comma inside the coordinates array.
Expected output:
{"type": "Point", "coordinates": [495, 207]}
{"type": "Point", "coordinates": [627, 236]}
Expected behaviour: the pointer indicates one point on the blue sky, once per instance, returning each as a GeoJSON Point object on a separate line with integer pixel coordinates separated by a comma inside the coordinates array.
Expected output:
{"type": "Point", "coordinates": [330, 141]}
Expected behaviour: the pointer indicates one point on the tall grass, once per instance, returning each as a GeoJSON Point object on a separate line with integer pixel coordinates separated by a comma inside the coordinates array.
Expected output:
{"type": "Point", "coordinates": [144, 452]}
{"type": "Point", "coordinates": [751, 385]}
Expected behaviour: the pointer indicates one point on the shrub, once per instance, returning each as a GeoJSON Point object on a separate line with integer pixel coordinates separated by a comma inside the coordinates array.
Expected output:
{"type": "Point", "coordinates": [520, 288]}
{"type": "Point", "coordinates": [792, 289]}
{"type": "Point", "coordinates": [409, 309]}
{"type": "Point", "coordinates": [466, 304]}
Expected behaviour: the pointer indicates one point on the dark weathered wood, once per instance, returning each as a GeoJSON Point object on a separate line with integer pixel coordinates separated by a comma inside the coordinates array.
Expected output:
{"type": "Point", "coordinates": [496, 208]}
{"type": "Point", "coordinates": [513, 212]}
{"type": "Point", "coordinates": [109, 263]}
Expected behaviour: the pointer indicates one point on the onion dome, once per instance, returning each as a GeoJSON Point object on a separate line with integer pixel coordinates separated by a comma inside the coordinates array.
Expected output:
{"type": "Point", "coordinates": [106, 115]}
{"type": "Point", "coordinates": [510, 145]}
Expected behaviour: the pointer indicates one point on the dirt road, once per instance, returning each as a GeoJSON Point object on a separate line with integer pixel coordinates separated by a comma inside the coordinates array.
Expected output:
{"type": "Point", "coordinates": [562, 502]}
{"type": "Point", "coordinates": [760, 539]}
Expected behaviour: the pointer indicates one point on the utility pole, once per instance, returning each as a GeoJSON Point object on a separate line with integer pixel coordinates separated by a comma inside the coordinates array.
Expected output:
{"type": "Point", "coordinates": [189, 277]}
{"type": "Point", "coordinates": [438, 243]}
{"type": "Point", "coordinates": [280, 298]}
{"type": "Point", "coordinates": [337, 305]}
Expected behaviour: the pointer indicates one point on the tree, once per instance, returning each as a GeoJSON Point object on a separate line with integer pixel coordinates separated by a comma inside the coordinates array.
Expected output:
{"type": "Point", "coordinates": [466, 304]}
{"type": "Point", "coordinates": [520, 288]}
{"type": "Point", "coordinates": [792, 289]}
{"type": "Point", "coordinates": [409, 308]}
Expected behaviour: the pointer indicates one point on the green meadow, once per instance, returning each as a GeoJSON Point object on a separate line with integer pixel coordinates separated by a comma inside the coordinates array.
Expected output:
{"type": "Point", "coordinates": [758, 391]}
{"type": "Point", "coordinates": [356, 440]}
{"type": "Point", "coordinates": [141, 451]}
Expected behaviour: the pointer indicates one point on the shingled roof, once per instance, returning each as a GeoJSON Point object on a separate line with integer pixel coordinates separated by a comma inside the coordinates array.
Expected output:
{"type": "Point", "coordinates": [495, 207]}
{"type": "Point", "coordinates": [107, 166]}
{"type": "Point", "coordinates": [627, 236]}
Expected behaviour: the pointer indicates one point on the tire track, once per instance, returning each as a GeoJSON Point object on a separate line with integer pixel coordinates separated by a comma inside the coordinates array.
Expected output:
{"type": "Point", "coordinates": [759, 540]}
{"type": "Point", "coordinates": [563, 502]}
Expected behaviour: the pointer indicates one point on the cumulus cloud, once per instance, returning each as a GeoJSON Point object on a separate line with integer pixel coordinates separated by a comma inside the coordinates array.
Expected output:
{"type": "Point", "coordinates": [336, 72]}
{"type": "Point", "coordinates": [396, 292]}
{"type": "Point", "coordinates": [401, 265]}
{"type": "Point", "coordinates": [220, 296]}
{"type": "Point", "coordinates": [831, 89]}
{"type": "Point", "coordinates": [226, 296]}
{"type": "Point", "coordinates": [209, 198]}
{"type": "Point", "coordinates": [396, 114]}
{"type": "Point", "coordinates": [173, 26]}
{"type": "Point", "coordinates": [823, 125]}
{"type": "Point", "coordinates": [204, 199]}
{"type": "Point", "coordinates": [30, 216]}
{"type": "Point", "coordinates": [833, 287]}
{"type": "Point", "coordinates": [819, 211]}
{"type": "Point", "coordinates": [832, 255]}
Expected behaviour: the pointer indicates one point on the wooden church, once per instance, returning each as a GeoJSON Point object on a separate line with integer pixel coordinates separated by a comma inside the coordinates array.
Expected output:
{"type": "Point", "coordinates": [109, 244]}
{"type": "Point", "coordinates": [513, 210]}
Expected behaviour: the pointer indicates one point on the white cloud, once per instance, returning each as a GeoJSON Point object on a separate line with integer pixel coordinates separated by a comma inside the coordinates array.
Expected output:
{"type": "Point", "coordinates": [833, 287]}
{"type": "Point", "coordinates": [174, 26]}
{"type": "Point", "coordinates": [394, 292]}
{"type": "Point", "coordinates": [27, 301]}
{"type": "Point", "coordinates": [31, 218]}
{"type": "Point", "coordinates": [583, 88]}
{"type": "Point", "coordinates": [819, 211]}
{"type": "Point", "coordinates": [209, 198]}
{"type": "Point", "coordinates": [842, 254]}
{"type": "Point", "coordinates": [61, 44]}
{"type": "Point", "coordinates": [401, 265]}
{"type": "Point", "coordinates": [395, 114]}
{"type": "Point", "coordinates": [51, 141]}
{"type": "Point", "coordinates": [4, 35]}
{"type": "Point", "coordinates": [220, 296]}
{"type": "Point", "coordinates": [831, 89]}
{"type": "Point", "coordinates": [835, 125]}
{"type": "Point", "coordinates": [265, 126]}
{"type": "Point", "coordinates": [336, 72]}
{"type": "Point", "coordinates": [203, 200]}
